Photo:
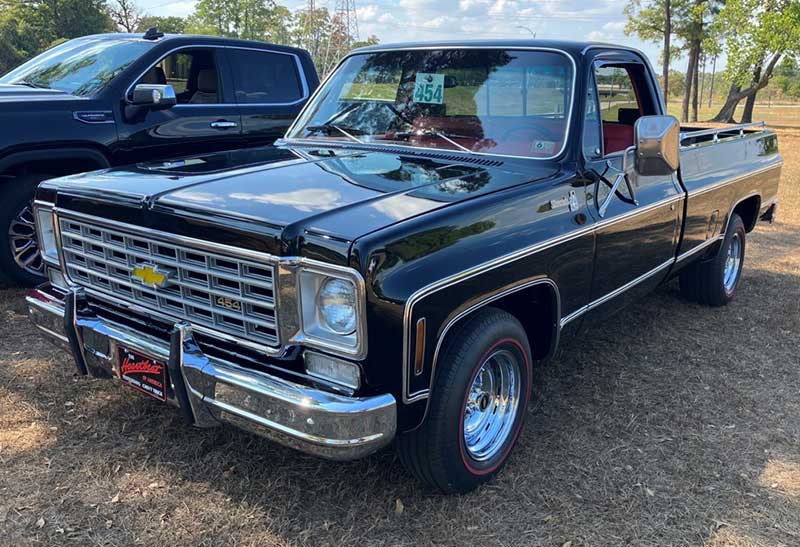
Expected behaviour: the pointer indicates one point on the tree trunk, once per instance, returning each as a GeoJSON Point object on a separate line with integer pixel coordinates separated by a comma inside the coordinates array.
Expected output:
{"type": "Point", "coordinates": [747, 115]}
{"type": "Point", "coordinates": [667, 36]}
{"type": "Point", "coordinates": [690, 71]}
{"type": "Point", "coordinates": [696, 83]}
{"type": "Point", "coordinates": [725, 115]}
{"type": "Point", "coordinates": [713, 73]}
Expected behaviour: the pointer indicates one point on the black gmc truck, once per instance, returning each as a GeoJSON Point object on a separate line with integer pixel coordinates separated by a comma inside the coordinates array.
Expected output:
{"type": "Point", "coordinates": [437, 222]}
{"type": "Point", "coordinates": [114, 99]}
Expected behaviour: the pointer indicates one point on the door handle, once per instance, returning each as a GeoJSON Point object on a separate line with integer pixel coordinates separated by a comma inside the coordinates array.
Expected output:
{"type": "Point", "coordinates": [223, 124]}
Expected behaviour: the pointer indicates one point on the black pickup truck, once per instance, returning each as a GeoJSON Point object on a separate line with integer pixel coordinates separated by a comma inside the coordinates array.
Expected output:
{"type": "Point", "coordinates": [114, 99]}
{"type": "Point", "coordinates": [437, 222]}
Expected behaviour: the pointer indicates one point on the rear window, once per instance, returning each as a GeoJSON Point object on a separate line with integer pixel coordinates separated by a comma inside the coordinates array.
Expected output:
{"type": "Point", "coordinates": [264, 77]}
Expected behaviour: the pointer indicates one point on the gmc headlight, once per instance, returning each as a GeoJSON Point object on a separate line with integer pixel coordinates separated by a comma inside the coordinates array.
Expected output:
{"type": "Point", "coordinates": [332, 304]}
{"type": "Point", "coordinates": [46, 233]}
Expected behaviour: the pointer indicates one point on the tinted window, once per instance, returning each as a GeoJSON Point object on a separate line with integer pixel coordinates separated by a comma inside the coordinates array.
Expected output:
{"type": "Point", "coordinates": [191, 72]}
{"type": "Point", "coordinates": [81, 67]}
{"type": "Point", "coordinates": [263, 77]}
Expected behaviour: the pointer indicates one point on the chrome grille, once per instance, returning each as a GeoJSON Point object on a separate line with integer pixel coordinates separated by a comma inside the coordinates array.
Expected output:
{"type": "Point", "coordinates": [219, 291]}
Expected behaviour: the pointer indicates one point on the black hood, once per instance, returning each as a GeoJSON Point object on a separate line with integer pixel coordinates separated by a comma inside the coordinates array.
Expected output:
{"type": "Point", "coordinates": [289, 195]}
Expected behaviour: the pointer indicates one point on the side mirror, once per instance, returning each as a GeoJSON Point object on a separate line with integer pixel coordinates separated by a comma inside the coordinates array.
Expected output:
{"type": "Point", "coordinates": [154, 96]}
{"type": "Point", "coordinates": [657, 145]}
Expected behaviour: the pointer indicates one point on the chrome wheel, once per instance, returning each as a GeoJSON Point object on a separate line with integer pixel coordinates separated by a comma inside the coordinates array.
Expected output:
{"type": "Point", "coordinates": [733, 263]}
{"type": "Point", "coordinates": [23, 242]}
{"type": "Point", "coordinates": [492, 405]}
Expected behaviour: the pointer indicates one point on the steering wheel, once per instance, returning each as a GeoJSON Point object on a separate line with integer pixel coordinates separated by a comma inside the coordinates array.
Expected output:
{"type": "Point", "coordinates": [542, 132]}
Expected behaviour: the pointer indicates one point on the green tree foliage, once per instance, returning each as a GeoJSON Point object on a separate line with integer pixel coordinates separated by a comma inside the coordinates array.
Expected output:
{"type": "Point", "coordinates": [169, 25]}
{"type": "Point", "coordinates": [248, 19]}
{"type": "Point", "coordinates": [28, 27]}
{"type": "Point", "coordinates": [757, 34]}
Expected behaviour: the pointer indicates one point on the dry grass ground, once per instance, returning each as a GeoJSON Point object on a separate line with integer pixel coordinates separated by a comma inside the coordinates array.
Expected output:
{"type": "Point", "coordinates": [675, 425]}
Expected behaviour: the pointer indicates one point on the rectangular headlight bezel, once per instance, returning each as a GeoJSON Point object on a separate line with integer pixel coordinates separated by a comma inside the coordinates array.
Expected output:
{"type": "Point", "coordinates": [46, 232]}
{"type": "Point", "coordinates": [309, 277]}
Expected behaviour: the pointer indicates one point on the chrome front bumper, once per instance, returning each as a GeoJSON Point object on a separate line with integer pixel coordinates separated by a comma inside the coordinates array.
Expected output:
{"type": "Point", "coordinates": [211, 391]}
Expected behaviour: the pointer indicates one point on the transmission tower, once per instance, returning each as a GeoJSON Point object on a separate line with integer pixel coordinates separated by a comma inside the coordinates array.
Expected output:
{"type": "Point", "coordinates": [309, 34]}
{"type": "Point", "coordinates": [344, 32]}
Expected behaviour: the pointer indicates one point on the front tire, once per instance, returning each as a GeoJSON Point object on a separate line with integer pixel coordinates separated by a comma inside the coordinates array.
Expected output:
{"type": "Point", "coordinates": [479, 401]}
{"type": "Point", "coordinates": [20, 262]}
{"type": "Point", "coordinates": [713, 281]}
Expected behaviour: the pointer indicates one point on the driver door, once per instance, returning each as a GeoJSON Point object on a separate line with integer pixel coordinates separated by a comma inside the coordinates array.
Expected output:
{"type": "Point", "coordinates": [206, 118]}
{"type": "Point", "coordinates": [638, 226]}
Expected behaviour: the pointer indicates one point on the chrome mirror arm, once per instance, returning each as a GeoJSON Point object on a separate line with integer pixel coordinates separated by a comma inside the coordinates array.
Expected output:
{"type": "Point", "coordinates": [622, 176]}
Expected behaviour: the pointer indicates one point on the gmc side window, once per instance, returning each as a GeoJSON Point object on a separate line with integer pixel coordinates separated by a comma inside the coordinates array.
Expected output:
{"type": "Point", "coordinates": [264, 77]}
{"type": "Point", "coordinates": [192, 72]}
{"type": "Point", "coordinates": [619, 107]}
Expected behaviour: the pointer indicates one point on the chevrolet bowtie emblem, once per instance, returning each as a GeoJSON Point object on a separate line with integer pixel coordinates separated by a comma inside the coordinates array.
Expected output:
{"type": "Point", "coordinates": [151, 275]}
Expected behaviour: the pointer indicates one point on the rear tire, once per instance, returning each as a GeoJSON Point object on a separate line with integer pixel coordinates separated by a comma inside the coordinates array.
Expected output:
{"type": "Point", "coordinates": [713, 282]}
{"type": "Point", "coordinates": [20, 262]}
{"type": "Point", "coordinates": [479, 401]}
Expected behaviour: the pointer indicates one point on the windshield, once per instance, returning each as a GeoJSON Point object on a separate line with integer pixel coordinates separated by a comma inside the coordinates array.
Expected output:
{"type": "Point", "coordinates": [504, 102]}
{"type": "Point", "coordinates": [80, 67]}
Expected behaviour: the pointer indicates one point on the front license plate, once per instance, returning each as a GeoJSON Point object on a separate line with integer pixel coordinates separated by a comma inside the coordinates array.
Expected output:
{"type": "Point", "coordinates": [143, 373]}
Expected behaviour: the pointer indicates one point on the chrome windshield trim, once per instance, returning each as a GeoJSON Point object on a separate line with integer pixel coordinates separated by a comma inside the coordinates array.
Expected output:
{"type": "Point", "coordinates": [325, 82]}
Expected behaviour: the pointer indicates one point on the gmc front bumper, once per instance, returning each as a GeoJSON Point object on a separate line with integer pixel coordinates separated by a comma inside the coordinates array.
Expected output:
{"type": "Point", "coordinates": [211, 391]}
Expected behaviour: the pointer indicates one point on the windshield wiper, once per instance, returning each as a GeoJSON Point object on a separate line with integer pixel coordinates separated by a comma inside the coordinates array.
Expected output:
{"type": "Point", "coordinates": [26, 83]}
{"type": "Point", "coordinates": [327, 126]}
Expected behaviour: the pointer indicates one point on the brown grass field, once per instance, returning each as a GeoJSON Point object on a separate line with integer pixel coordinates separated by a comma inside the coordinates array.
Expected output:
{"type": "Point", "coordinates": [675, 425]}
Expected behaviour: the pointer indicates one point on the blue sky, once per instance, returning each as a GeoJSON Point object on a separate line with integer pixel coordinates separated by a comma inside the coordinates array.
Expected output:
{"type": "Point", "coordinates": [403, 20]}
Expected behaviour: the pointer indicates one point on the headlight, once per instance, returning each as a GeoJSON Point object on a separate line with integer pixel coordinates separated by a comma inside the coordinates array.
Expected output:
{"type": "Point", "coordinates": [46, 233]}
{"type": "Point", "coordinates": [332, 309]}
{"type": "Point", "coordinates": [337, 305]}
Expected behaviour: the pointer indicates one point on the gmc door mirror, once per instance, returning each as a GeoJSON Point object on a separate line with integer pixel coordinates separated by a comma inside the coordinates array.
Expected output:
{"type": "Point", "coordinates": [657, 145]}
{"type": "Point", "coordinates": [154, 96]}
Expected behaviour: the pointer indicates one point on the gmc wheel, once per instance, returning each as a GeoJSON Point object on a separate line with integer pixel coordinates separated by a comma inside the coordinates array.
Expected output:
{"type": "Point", "coordinates": [20, 261]}
{"type": "Point", "coordinates": [477, 407]}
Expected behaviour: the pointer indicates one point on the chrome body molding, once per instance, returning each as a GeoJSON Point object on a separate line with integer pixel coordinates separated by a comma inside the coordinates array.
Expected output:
{"type": "Point", "coordinates": [734, 179]}
{"type": "Point", "coordinates": [696, 249]}
{"type": "Point", "coordinates": [443, 47]}
{"type": "Point", "coordinates": [613, 294]}
{"type": "Point", "coordinates": [547, 244]}
{"type": "Point", "coordinates": [416, 396]}
{"type": "Point", "coordinates": [318, 422]}
{"type": "Point", "coordinates": [495, 263]}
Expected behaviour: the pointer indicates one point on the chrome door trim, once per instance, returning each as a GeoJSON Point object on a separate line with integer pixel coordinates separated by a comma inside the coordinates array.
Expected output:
{"type": "Point", "coordinates": [696, 249]}
{"type": "Point", "coordinates": [444, 47]}
{"type": "Point", "coordinates": [616, 292]}
{"type": "Point", "coordinates": [297, 62]}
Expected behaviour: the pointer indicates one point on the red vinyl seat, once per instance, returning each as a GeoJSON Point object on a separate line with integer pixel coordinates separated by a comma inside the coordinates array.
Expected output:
{"type": "Point", "coordinates": [617, 137]}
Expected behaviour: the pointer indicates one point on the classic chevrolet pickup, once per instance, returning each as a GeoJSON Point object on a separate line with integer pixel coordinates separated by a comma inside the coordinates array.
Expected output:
{"type": "Point", "coordinates": [437, 222]}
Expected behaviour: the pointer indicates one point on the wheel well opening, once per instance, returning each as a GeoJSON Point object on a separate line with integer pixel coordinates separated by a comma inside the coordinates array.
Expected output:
{"type": "Point", "coordinates": [536, 308]}
{"type": "Point", "coordinates": [748, 210]}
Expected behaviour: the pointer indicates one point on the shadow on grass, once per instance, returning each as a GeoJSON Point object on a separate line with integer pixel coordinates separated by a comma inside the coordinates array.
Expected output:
{"type": "Point", "coordinates": [658, 427]}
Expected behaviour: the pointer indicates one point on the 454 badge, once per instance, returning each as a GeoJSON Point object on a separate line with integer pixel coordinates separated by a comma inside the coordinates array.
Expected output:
{"type": "Point", "coordinates": [429, 88]}
{"type": "Point", "coordinates": [143, 373]}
